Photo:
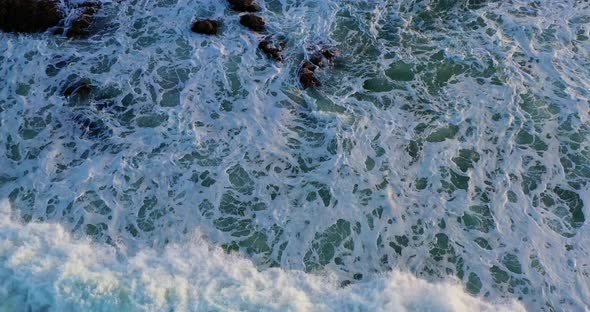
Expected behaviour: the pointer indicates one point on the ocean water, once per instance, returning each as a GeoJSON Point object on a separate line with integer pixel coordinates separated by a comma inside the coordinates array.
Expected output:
{"type": "Point", "coordinates": [444, 164]}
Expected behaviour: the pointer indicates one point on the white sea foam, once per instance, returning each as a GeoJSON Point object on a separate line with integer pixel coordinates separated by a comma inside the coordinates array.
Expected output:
{"type": "Point", "coordinates": [41, 266]}
{"type": "Point", "coordinates": [512, 77]}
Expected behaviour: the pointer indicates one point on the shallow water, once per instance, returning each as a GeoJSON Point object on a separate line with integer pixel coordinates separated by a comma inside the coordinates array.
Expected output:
{"type": "Point", "coordinates": [449, 141]}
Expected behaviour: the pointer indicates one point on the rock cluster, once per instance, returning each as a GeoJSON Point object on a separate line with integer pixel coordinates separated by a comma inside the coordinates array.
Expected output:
{"type": "Point", "coordinates": [319, 58]}
{"type": "Point", "coordinates": [32, 16]}
{"type": "Point", "coordinates": [272, 48]}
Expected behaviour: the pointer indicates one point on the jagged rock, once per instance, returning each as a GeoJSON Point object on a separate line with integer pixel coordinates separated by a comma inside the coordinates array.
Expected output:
{"type": "Point", "coordinates": [29, 16]}
{"type": "Point", "coordinates": [272, 49]}
{"type": "Point", "coordinates": [243, 5]}
{"type": "Point", "coordinates": [317, 60]}
{"type": "Point", "coordinates": [309, 66]}
{"type": "Point", "coordinates": [254, 22]}
{"type": "Point", "coordinates": [323, 57]}
{"type": "Point", "coordinates": [307, 76]}
{"type": "Point", "coordinates": [206, 27]}
{"type": "Point", "coordinates": [329, 54]}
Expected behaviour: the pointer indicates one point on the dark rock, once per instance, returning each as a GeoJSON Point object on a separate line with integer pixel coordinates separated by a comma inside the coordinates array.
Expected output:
{"type": "Point", "coordinates": [58, 31]}
{"type": "Point", "coordinates": [307, 76]}
{"type": "Point", "coordinates": [29, 16]}
{"type": "Point", "coordinates": [309, 66]}
{"type": "Point", "coordinates": [254, 22]}
{"type": "Point", "coordinates": [317, 59]}
{"type": "Point", "coordinates": [330, 55]}
{"type": "Point", "coordinates": [272, 49]}
{"type": "Point", "coordinates": [206, 27]}
{"type": "Point", "coordinates": [345, 283]}
{"type": "Point", "coordinates": [243, 5]}
{"type": "Point", "coordinates": [309, 80]}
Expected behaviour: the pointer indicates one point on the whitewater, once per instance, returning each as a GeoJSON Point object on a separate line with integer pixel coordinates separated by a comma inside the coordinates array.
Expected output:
{"type": "Point", "coordinates": [443, 165]}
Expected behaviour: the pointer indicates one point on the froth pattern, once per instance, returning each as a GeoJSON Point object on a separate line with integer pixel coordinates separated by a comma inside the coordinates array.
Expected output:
{"type": "Point", "coordinates": [452, 142]}
{"type": "Point", "coordinates": [43, 268]}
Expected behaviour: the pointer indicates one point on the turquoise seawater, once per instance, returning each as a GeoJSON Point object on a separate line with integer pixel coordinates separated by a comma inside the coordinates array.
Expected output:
{"type": "Point", "coordinates": [444, 163]}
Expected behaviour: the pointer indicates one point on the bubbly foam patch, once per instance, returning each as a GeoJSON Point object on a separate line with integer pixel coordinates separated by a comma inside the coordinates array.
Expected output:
{"type": "Point", "coordinates": [41, 266]}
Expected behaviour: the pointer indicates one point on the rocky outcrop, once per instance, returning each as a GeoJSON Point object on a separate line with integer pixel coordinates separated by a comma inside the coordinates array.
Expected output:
{"type": "Point", "coordinates": [29, 16]}
{"type": "Point", "coordinates": [206, 27]}
{"type": "Point", "coordinates": [254, 22]}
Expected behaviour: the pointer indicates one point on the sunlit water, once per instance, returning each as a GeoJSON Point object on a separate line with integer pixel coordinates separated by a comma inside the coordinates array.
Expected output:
{"type": "Point", "coordinates": [443, 165]}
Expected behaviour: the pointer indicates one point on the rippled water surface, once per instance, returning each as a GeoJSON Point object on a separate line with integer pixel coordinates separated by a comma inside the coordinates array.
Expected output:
{"type": "Point", "coordinates": [450, 140]}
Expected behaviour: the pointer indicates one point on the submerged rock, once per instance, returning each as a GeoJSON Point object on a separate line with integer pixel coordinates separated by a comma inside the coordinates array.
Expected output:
{"type": "Point", "coordinates": [307, 76]}
{"type": "Point", "coordinates": [92, 128]}
{"type": "Point", "coordinates": [243, 5]}
{"type": "Point", "coordinates": [29, 16]}
{"type": "Point", "coordinates": [81, 89]}
{"type": "Point", "coordinates": [80, 26]}
{"type": "Point", "coordinates": [206, 27]}
{"type": "Point", "coordinates": [272, 49]}
{"type": "Point", "coordinates": [254, 22]}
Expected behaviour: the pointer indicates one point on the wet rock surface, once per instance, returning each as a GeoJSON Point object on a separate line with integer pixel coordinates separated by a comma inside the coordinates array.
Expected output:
{"type": "Point", "coordinates": [29, 16]}
{"type": "Point", "coordinates": [243, 5]}
{"type": "Point", "coordinates": [206, 27]}
{"type": "Point", "coordinates": [318, 58]}
{"type": "Point", "coordinates": [253, 22]}
{"type": "Point", "coordinates": [272, 48]}
{"type": "Point", "coordinates": [307, 75]}
{"type": "Point", "coordinates": [323, 57]}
